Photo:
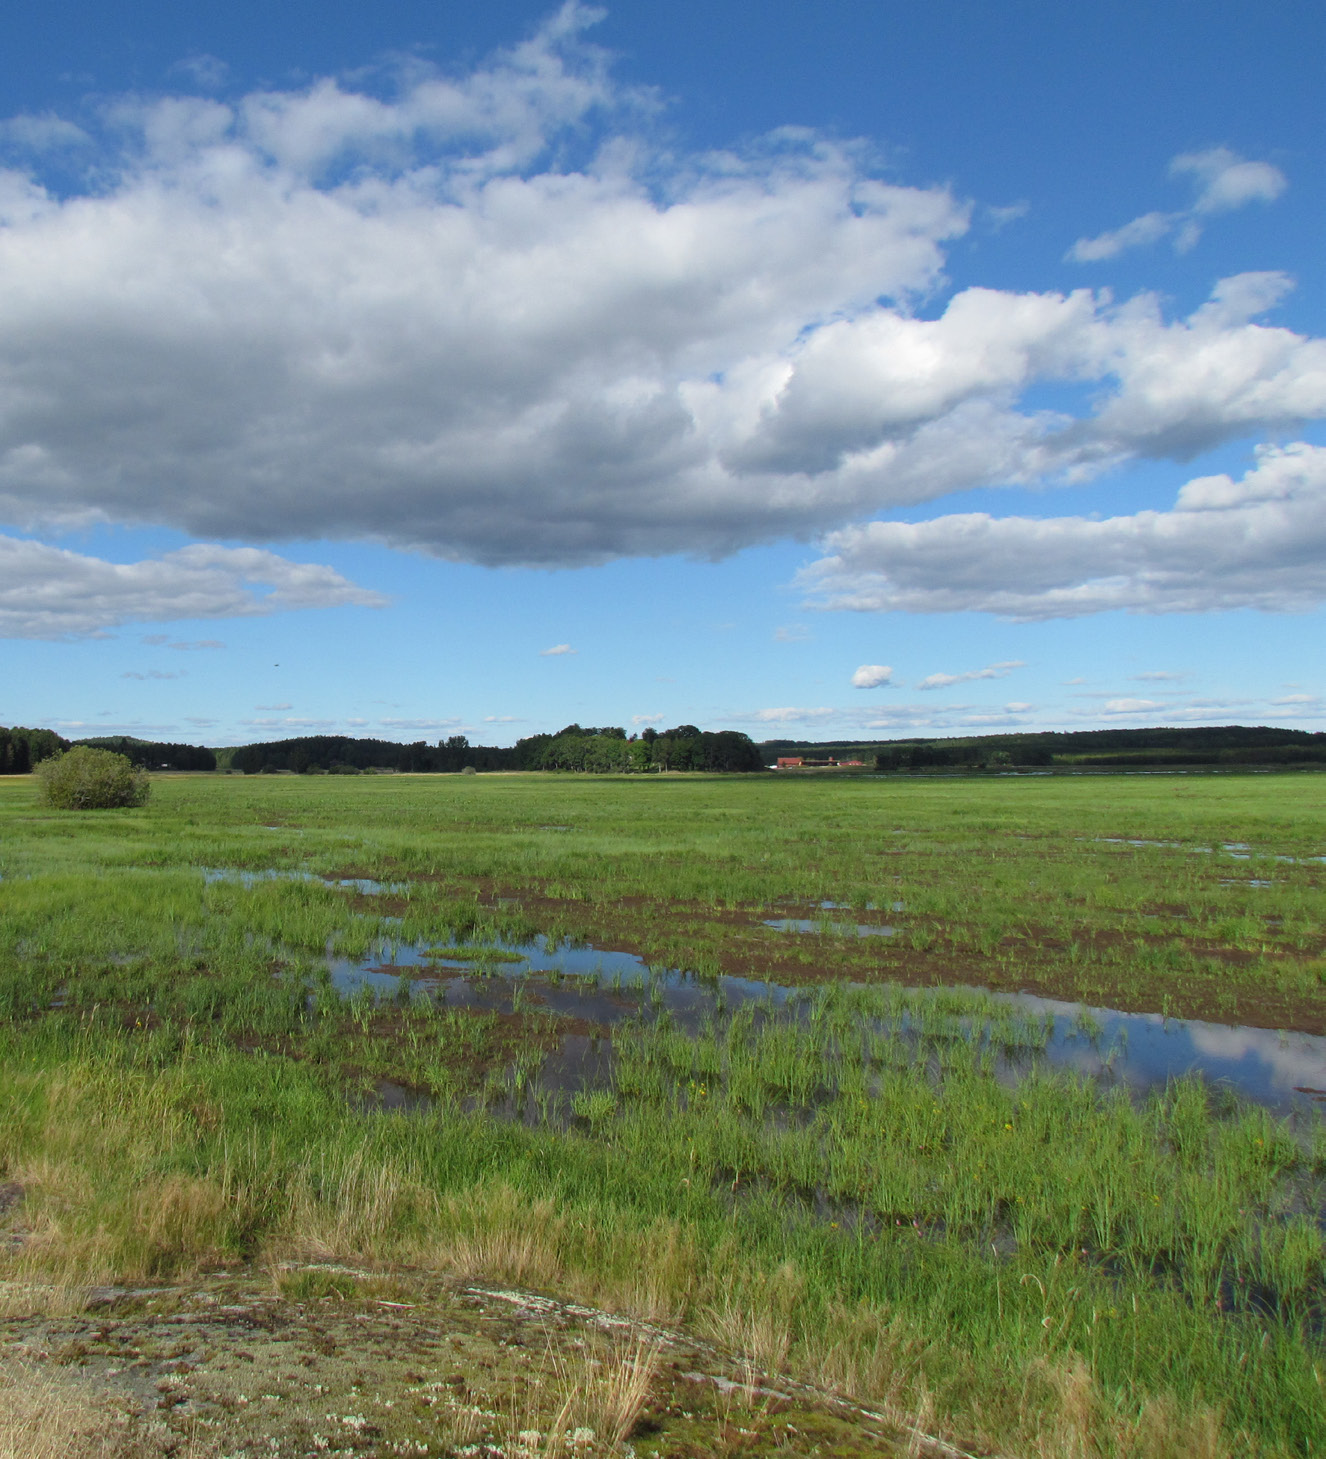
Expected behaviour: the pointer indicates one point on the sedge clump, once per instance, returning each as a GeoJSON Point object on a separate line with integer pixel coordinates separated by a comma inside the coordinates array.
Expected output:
{"type": "Point", "coordinates": [88, 779]}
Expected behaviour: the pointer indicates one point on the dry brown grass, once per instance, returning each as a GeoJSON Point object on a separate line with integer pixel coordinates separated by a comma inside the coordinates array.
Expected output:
{"type": "Point", "coordinates": [497, 1233]}
{"type": "Point", "coordinates": [616, 1389]}
{"type": "Point", "coordinates": [571, 1404]}
{"type": "Point", "coordinates": [47, 1415]}
{"type": "Point", "coordinates": [865, 1353]}
{"type": "Point", "coordinates": [1076, 1424]}
{"type": "Point", "coordinates": [661, 1266]}
{"type": "Point", "coordinates": [359, 1209]}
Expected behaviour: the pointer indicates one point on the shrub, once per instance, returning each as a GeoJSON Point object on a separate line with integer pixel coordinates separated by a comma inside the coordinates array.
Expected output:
{"type": "Point", "coordinates": [85, 779]}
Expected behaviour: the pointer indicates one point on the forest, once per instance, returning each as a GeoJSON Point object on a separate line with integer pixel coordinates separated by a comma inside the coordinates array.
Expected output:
{"type": "Point", "coordinates": [21, 749]}
{"type": "Point", "coordinates": [1194, 745]}
{"type": "Point", "coordinates": [599, 750]}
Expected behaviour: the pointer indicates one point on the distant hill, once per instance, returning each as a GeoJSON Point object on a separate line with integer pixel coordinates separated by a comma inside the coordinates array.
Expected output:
{"type": "Point", "coordinates": [1088, 749]}
{"type": "Point", "coordinates": [155, 754]}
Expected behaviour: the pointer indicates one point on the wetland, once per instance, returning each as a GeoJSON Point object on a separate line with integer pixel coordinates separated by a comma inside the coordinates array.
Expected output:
{"type": "Point", "coordinates": [994, 1106]}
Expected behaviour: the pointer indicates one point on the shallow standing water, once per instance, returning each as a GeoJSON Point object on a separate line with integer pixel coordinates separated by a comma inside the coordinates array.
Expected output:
{"type": "Point", "coordinates": [1139, 1051]}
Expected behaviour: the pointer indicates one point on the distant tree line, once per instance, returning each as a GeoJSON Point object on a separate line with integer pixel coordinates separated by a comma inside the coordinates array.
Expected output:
{"type": "Point", "coordinates": [155, 754]}
{"type": "Point", "coordinates": [608, 750]}
{"type": "Point", "coordinates": [342, 755]}
{"type": "Point", "coordinates": [1198, 745]}
{"type": "Point", "coordinates": [604, 750]}
{"type": "Point", "coordinates": [22, 749]}
{"type": "Point", "coordinates": [967, 757]}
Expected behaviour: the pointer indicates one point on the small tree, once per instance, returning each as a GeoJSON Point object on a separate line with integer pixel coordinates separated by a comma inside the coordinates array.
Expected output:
{"type": "Point", "coordinates": [86, 779]}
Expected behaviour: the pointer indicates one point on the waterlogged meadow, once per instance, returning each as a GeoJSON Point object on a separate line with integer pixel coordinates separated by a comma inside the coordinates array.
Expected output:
{"type": "Point", "coordinates": [281, 1019]}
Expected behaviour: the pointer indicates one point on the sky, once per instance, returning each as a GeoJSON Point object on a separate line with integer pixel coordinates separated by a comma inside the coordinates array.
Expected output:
{"type": "Point", "coordinates": [848, 369]}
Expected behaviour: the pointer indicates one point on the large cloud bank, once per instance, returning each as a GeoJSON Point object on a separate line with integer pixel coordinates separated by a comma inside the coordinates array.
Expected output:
{"type": "Point", "coordinates": [486, 317]}
{"type": "Point", "coordinates": [1259, 542]}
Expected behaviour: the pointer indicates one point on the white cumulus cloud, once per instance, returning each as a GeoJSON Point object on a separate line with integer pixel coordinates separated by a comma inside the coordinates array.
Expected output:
{"type": "Point", "coordinates": [493, 317]}
{"type": "Point", "coordinates": [871, 676]}
{"type": "Point", "coordinates": [1258, 542]}
{"type": "Point", "coordinates": [789, 715]}
{"type": "Point", "coordinates": [1224, 181]}
{"type": "Point", "coordinates": [47, 592]}
{"type": "Point", "coordinates": [1227, 181]}
{"type": "Point", "coordinates": [1131, 706]}
{"type": "Point", "coordinates": [991, 671]}
{"type": "Point", "coordinates": [556, 651]}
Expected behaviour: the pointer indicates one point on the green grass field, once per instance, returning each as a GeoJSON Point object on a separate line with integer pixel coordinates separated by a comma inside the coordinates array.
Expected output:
{"type": "Point", "coordinates": [850, 1195]}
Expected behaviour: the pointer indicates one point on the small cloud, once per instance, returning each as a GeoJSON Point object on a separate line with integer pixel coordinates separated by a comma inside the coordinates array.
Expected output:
{"type": "Point", "coordinates": [1000, 218]}
{"type": "Point", "coordinates": [1146, 229]}
{"type": "Point", "coordinates": [200, 722]}
{"type": "Point", "coordinates": [208, 73]}
{"type": "Point", "coordinates": [503, 719]}
{"type": "Point", "coordinates": [646, 719]}
{"type": "Point", "coordinates": [156, 639]}
{"type": "Point", "coordinates": [274, 708]}
{"type": "Point", "coordinates": [422, 724]}
{"type": "Point", "coordinates": [991, 671]}
{"type": "Point", "coordinates": [1018, 706]}
{"type": "Point", "coordinates": [790, 715]}
{"type": "Point", "coordinates": [73, 728]}
{"type": "Point", "coordinates": [1158, 676]}
{"type": "Point", "coordinates": [357, 723]}
{"type": "Point", "coordinates": [976, 721]}
{"type": "Point", "coordinates": [156, 674]}
{"type": "Point", "coordinates": [1078, 680]}
{"type": "Point", "coordinates": [277, 724]}
{"type": "Point", "coordinates": [1297, 699]}
{"type": "Point", "coordinates": [1225, 181]}
{"type": "Point", "coordinates": [791, 633]}
{"type": "Point", "coordinates": [556, 651]}
{"type": "Point", "coordinates": [1131, 706]}
{"type": "Point", "coordinates": [198, 644]}
{"type": "Point", "coordinates": [871, 676]}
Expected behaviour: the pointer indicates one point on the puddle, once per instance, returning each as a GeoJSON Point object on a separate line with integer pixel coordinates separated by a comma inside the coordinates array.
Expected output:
{"type": "Point", "coordinates": [832, 929]}
{"type": "Point", "coordinates": [869, 906]}
{"type": "Point", "coordinates": [252, 878]}
{"type": "Point", "coordinates": [1136, 1051]}
{"type": "Point", "coordinates": [1236, 850]}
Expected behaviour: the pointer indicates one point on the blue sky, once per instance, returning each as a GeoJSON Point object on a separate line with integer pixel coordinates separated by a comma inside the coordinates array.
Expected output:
{"type": "Point", "coordinates": [847, 369]}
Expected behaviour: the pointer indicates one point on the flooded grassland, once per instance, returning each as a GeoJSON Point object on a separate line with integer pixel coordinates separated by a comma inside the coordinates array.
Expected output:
{"type": "Point", "coordinates": [991, 1106]}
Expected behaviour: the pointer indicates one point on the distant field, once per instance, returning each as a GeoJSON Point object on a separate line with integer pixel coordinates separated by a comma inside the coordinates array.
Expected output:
{"type": "Point", "coordinates": [1006, 883]}
{"type": "Point", "coordinates": [839, 1187]}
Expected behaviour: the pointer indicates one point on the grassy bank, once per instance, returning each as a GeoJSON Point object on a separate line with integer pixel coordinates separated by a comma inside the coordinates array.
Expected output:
{"type": "Point", "coordinates": [850, 1194]}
